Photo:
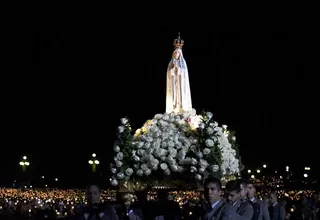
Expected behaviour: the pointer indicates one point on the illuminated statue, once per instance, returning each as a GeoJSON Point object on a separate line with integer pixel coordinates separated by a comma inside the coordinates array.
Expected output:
{"type": "Point", "coordinates": [178, 96]}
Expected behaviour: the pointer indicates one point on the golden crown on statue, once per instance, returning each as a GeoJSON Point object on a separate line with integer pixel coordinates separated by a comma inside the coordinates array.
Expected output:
{"type": "Point", "coordinates": [178, 43]}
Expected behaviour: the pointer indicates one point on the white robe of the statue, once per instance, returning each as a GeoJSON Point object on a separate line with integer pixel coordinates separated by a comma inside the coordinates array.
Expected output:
{"type": "Point", "coordinates": [184, 102]}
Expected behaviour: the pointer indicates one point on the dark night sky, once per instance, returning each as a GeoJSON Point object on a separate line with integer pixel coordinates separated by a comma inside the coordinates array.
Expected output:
{"type": "Point", "coordinates": [72, 76]}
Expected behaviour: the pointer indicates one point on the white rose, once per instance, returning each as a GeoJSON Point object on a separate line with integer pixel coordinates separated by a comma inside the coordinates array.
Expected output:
{"type": "Point", "coordinates": [198, 177]}
{"type": "Point", "coordinates": [121, 129]}
{"type": "Point", "coordinates": [210, 131]}
{"type": "Point", "coordinates": [166, 172]}
{"type": "Point", "coordinates": [113, 170]}
{"type": "Point", "coordinates": [120, 175]}
{"type": "Point", "coordinates": [139, 172]}
{"type": "Point", "coordinates": [116, 148]}
{"type": "Point", "coordinates": [209, 143]}
{"type": "Point", "coordinates": [215, 168]}
{"type": "Point", "coordinates": [199, 154]}
{"type": "Point", "coordinates": [129, 171]}
{"type": "Point", "coordinates": [119, 163]}
{"type": "Point", "coordinates": [124, 121]}
{"type": "Point", "coordinates": [120, 156]}
{"type": "Point", "coordinates": [114, 182]}
{"type": "Point", "coordinates": [209, 115]}
{"type": "Point", "coordinates": [163, 166]}
{"type": "Point", "coordinates": [206, 151]}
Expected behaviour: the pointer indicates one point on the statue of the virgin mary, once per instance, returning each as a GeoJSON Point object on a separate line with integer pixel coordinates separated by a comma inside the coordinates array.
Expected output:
{"type": "Point", "coordinates": [178, 96]}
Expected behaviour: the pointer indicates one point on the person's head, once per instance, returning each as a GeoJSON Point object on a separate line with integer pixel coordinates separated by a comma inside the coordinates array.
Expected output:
{"type": "Point", "coordinates": [251, 190]}
{"type": "Point", "coordinates": [212, 189]}
{"type": "Point", "coordinates": [202, 197]}
{"type": "Point", "coordinates": [273, 197]}
{"type": "Point", "coordinates": [170, 197]}
{"type": "Point", "coordinates": [176, 53]}
{"type": "Point", "coordinates": [233, 190]}
{"type": "Point", "coordinates": [93, 194]}
{"type": "Point", "coordinates": [244, 188]}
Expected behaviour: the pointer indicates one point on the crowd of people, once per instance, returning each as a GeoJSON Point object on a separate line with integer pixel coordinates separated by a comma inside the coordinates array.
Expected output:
{"type": "Point", "coordinates": [154, 204]}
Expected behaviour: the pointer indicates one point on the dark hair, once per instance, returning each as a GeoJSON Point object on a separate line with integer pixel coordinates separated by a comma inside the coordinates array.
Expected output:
{"type": "Point", "coordinates": [213, 180]}
{"type": "Point", "coordinates": [243, 182]}
{"type": "Point", "coordinates": [233, 185]}
{"type": "Point", "coordinates": [250, 182]}
{"type": "Point", "coordinates": [93, 184]}
{"type": "Point", "coordinates": [274, 193]}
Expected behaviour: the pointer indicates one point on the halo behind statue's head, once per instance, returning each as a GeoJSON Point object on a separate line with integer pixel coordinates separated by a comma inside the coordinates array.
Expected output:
{"type": "Point", "coordinates": [178, 43]}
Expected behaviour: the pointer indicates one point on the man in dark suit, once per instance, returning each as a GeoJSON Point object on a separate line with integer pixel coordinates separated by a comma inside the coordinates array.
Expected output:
{"type": "Point", "coordinates": [216, 208]}
{"type": "Point", "coordinates": [95, 210]}
{"type": "Point", "coordinates": [260, 209]}
{"type": "Point", "coordinates": [235, 195]}
{"type": "Point", "coordinates": [277, 211]}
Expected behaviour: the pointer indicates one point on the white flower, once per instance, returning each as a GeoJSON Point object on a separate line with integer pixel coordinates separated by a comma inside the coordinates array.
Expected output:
{"type": "Point", "coordinates": [113, 170]}
{"type": "Point", "coordinates": [209, 115]}
{"type": "Point", "coordinates": [129, 171]}
{"type": "Point", "coordinates": [147, 172]}
{"type": "Point", "coordinates": [121, 129]}
{"type": "Point", "coordinates": [174, 168]}
{"type": "Point", "coordinates": [174, 143]}
{"type": "Point", "coordinates": [139, 172]}
{"type": "Point", "coordinates": [199, 154]}
{"type": "Point", "coordinates": [164, 166]}
{"type": "Point", "coordinates": [116, 148]}
{"type": "Point", "coordinates": [120, 156]}
{"type": "Point", "coordinates": [206, 151]}
{"type": "Point", "coordinates": [136, 158]}
{"type": "Point", "coordinates": [215, 168]}
{"type": "Point", "coordinates": [195, 121]}
{"type": "Point", "coordinates": [144, 167]}
{"type": "Point", "coordinates": [120, 175]}
{"type": "Point", "coordinates": [210, 131]}
{"type": "Point", "coordinates": [193, 169]}
{"type": "Point", "coordinates": [114, 182]}
{"type": "Point", "coordinates": [119, 163]}
{"type": "Point", "coordinates": [124, 121]}
{"type": "Point", "coordinates": [167, 172]}
{"type": "Point", "coordinates": [172, 152]}
{"type": "Point", "coordinates": [203, 163]}
{"type": "Point", "coordinates": [201, 170]}
{"type": "Point", "coordinates": [198, 177]}
{"type": "Point", "coordinates": [209, 143]}
{"type": "Point", "coordinates": [181, 155]}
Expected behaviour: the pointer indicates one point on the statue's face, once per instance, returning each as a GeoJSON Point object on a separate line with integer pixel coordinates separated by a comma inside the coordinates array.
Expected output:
{"type": "Point", "coordinates": [176, 54]}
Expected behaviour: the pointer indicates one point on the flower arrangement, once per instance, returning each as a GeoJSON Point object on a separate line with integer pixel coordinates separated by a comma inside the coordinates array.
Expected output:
{"type": "Point", "coordinates": [174, 146]}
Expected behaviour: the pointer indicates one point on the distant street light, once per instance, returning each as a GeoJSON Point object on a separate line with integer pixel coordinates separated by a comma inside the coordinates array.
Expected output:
{"type": "Point", "coordinates": [94, 162]}
{"type": "Point", "coordinates": [258, 171]}
{"type": "Point", "coordinates": [264, 166]}
{"type": "Point", "coordinates": [24, 163]}
{"type": "Point", "coordinates": [249, 171]}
